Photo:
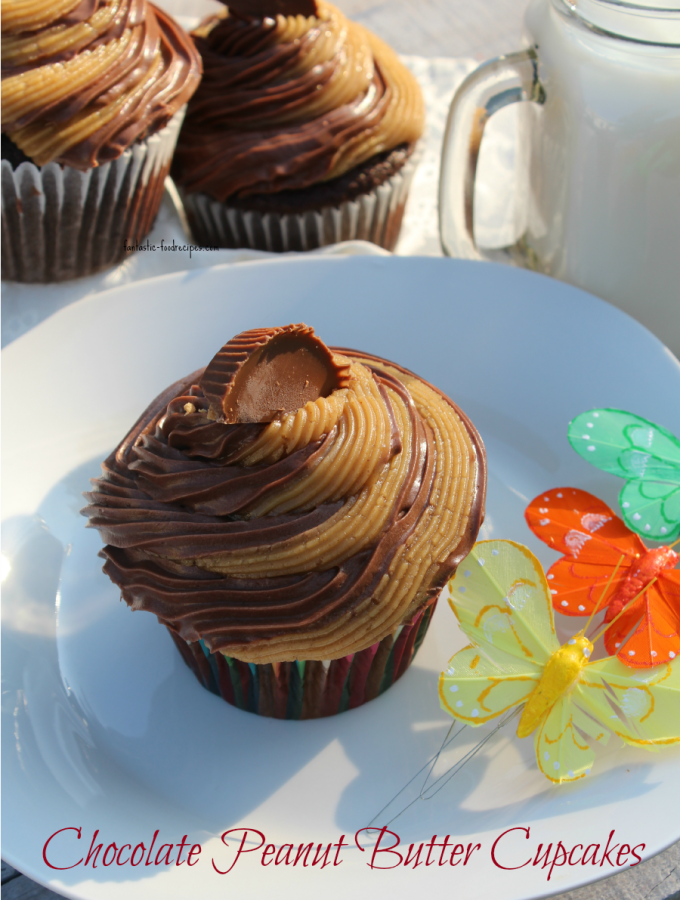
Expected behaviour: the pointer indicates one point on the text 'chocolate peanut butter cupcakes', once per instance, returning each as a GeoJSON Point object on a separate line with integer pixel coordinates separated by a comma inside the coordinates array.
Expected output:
{"type": "Point", "coordinates": [302, 133]}
{"type": "Point", "coordinates": [291, 513]}
{"type": "Point", "coordinates": [93, 96]}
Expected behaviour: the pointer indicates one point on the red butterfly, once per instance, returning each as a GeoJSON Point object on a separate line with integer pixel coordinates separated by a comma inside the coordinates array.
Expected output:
{"type": "Point", "coordinates": [594, 540]}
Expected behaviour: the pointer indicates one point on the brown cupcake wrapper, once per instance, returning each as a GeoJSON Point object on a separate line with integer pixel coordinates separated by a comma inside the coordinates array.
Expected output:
{"type": "Point", "coordinates": [374, 217]}
{"type": "Point", "coordinates": [308, 689]}
{"type": "Point", "coordinates": [60, 223]}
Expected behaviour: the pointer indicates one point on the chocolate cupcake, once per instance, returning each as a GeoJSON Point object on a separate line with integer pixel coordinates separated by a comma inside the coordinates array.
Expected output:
{"type": "Point", "coordinates": [93, 96]}
{"type": "Point", "coordinates": [290, 513]}
{"type": "Point", "coordinates": [302, 133]}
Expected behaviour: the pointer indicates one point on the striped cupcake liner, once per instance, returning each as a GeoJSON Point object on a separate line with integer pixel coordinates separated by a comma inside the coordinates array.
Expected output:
{"type": "Point", "coordinates": [374, 217]}
{"type": "Point", "coordinates": [60, 223]}
{"type": "Point", "coordinates": [308, 689]}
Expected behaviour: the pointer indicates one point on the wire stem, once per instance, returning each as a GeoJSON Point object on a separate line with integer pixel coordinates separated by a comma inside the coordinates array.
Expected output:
{"type": "Point", "coordinates": [427, 793]}
{"type": "Point", "coordinates": [448, 739]}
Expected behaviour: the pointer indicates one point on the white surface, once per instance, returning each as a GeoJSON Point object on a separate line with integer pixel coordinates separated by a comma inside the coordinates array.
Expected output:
{"type": "Point", "coordinates": [103, 725]}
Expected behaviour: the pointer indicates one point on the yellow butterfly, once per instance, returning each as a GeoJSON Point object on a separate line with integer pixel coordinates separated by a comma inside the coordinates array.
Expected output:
{"type": "Point", "coordinates": [503, 604]}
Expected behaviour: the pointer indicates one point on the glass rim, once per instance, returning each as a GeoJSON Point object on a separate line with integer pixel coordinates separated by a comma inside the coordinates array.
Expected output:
{"type": "Point", "coordinates": [654, 7]}
{"type": "Point", "coordinates": [651, 25]}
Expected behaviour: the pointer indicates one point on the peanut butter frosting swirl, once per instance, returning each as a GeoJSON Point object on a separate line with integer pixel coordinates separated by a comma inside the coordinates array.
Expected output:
{"type": "Point", "coordinates": [290, 101]}
{"type": "Point", "coordinates": [311, 536]}
{"type": "Point", "coordinates": [82, 80]}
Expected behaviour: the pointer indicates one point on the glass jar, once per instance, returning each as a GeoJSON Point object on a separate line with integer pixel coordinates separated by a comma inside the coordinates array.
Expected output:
{"type": "Point", "coordinates": [599, 143]}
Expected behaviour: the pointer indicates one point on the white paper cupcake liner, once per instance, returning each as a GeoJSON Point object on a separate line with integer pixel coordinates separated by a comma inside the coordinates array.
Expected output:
{"type": "Point", "coordinates": [374, 217]}
{"type": "Point", "coordinates": [60, 223]}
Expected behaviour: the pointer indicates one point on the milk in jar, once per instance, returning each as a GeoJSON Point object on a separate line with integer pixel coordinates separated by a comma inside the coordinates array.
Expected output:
{"type": "Point", "coordinates": [604, 167]}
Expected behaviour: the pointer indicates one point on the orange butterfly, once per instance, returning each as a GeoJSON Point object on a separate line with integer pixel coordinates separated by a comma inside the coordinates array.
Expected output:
{"type": "Point", "coordinates": [596, 543]}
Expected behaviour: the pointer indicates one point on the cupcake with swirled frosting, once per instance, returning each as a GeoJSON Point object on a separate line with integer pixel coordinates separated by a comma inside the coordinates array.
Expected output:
{"type": "Point", "coordinates": [290, 513]}
{"type": "Point", "coordinates": [93, 96]}
{"type": "Point", "coordinates": [302, 133]}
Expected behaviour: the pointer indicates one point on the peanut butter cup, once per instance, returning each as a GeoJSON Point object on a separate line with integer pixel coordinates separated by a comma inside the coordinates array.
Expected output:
{"type": "Point", "coordinates": [267, 372]}
{"type": "Point", "coordinates": [295, 560]}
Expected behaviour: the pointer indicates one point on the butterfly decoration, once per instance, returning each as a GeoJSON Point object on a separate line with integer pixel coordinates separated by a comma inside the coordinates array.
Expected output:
{"type": "Point", "coordinates": [647, 455]}
{"type": "Point", "coordinates": [501, 598]}
{"type": "Point", "coordinates": [597, 545]}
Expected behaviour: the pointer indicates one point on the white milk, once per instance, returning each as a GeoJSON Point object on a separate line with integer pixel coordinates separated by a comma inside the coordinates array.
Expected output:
{"type": "Point", "coordinates": [604, 166]}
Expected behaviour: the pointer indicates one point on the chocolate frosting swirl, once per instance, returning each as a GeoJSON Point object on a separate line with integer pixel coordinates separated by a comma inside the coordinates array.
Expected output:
{"type": "Point", "coordinates": [290, 101]}
{"type": "Point", "coordinates": [82, 80]}
{"type": "Point", "coordinates": [309, 537]}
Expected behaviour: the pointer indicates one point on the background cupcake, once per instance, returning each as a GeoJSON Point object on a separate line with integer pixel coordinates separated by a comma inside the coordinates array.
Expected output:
{"type": "Point", "coordinates": [302, 132]}
{"type": "Point", "coordinates": [291, 513]}
{"type": "Point", "coordinates": [92, 101]}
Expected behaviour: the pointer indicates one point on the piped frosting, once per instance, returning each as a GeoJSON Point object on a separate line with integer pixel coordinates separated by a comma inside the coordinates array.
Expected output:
{"type": "Point", "coordinates": [290, 101]}
{"type": "Point", "coordinates": [82, 80]}
{"type": "Point", "coordinates": [311, 536]}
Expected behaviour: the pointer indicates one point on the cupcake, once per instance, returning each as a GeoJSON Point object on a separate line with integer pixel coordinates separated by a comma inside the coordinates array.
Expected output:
{"type": "Point", "coordinates": [290, 513]}
{"type": "Point", "coordinates": [302, 133]}
{"type": "Point", "coordinates": [93, 96]}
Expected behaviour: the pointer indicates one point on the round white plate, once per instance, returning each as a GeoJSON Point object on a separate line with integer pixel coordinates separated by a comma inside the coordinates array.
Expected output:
{"type": "Point", "coordinates": [104, 728]}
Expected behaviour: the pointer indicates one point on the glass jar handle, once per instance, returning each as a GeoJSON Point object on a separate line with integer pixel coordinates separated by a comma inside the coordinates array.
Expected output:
{"type": "Point", "coordinates": [495, 84]}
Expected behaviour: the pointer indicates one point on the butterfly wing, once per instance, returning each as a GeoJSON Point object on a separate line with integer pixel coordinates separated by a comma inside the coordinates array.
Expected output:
{"type": "Point", "coordinates": [652, 508]}
{"type": "Point", "coordinates": [577, 589]}
{"type": "Point", "coordinates": [593, 540]}
{"type": "Point", "coordinates": [563, 751]}
{"type": "Point", "coordinates": [632, 447]}
{"type": "Point", "coordinates": [475, 688]}
{"type": "Point", "coordinates": [624, 444]}
{"type": "Point", "coordinates": [642, 706]}
{"type": "Point", "coordinates": [582, 527]}
{"type": "Point", "coordinates": [656, 639]}
{"type": "Point", "coordinates": [501, 599]}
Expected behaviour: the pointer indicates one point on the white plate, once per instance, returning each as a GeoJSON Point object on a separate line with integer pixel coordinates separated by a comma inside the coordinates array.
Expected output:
{"type": "Point", "coordinates": [103, 725]}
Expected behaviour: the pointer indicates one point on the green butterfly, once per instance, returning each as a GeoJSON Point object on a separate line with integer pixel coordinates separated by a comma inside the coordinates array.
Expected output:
{"type": "Point", "coordinates": [647, 455]}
